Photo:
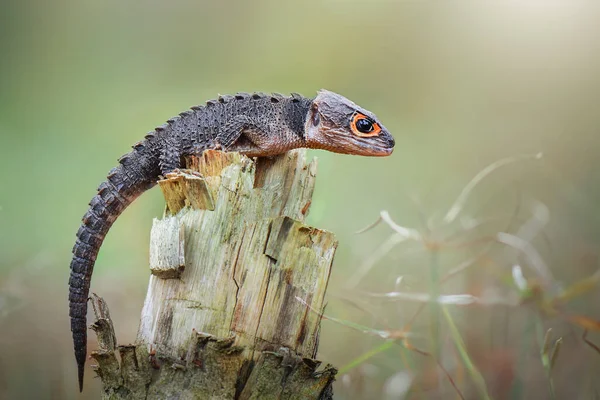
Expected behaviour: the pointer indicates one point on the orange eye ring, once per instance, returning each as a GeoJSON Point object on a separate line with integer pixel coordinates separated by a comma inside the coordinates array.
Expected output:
{"type": "Point", "coordinates": [363, 126]}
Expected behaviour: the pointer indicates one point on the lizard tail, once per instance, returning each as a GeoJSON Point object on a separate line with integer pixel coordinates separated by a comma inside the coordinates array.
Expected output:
{"type": "Point", "coordinates": [136, 173]}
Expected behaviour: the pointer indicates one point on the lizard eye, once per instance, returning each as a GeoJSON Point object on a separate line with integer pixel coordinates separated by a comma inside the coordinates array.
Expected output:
{"type": "Point", "coordinates": [362, 126]}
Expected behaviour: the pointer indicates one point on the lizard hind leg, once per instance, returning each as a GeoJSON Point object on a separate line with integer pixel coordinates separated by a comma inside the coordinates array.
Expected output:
{"type": "Point", "coordinates": [174, 163]}
{"type": "Point", "coordinates": [170, 160]}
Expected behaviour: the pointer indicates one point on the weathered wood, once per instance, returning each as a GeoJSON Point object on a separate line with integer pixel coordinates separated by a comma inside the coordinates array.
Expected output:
{"type": "Point", "coordinates": [232, 266]}
{"type": "Point", "coordinates": [167, 249]}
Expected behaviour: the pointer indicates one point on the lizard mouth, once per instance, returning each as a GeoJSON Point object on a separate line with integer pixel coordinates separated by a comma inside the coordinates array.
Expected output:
{"type": "Point", "coordinates": [386, 152]}
{"type": "Point", "coordinates": [382, 148]}
{"type": "Point", "coordinates": [381, 151]}
{"type": "Point", "coordinates": [372, 150]}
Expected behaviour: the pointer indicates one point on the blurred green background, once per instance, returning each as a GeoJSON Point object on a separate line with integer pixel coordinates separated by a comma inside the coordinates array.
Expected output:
{"type": "Point", "coordinates": [459, 84]}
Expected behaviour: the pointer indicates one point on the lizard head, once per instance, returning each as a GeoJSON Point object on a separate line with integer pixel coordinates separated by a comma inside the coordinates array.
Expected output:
{"type": "Point", "coordinates": [336, 124]}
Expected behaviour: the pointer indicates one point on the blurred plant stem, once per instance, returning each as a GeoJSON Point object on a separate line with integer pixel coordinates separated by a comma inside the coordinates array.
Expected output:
{"type": "Point", "coordinates": [434, 305]}
{"type": "Point", "coordinates": [464, 355]}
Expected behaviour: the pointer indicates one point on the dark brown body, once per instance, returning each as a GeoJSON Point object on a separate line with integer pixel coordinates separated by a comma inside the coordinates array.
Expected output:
{"type": "Point", "coordinates": [255, 125]}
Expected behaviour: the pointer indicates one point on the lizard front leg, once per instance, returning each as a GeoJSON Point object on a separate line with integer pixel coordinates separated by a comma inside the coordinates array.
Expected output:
{"type": "Point", "coordinates": [245, 135]}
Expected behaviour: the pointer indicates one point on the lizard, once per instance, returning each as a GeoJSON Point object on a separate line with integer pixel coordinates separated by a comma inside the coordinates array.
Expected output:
{"type": "Point", "coordinates": [256, 125]}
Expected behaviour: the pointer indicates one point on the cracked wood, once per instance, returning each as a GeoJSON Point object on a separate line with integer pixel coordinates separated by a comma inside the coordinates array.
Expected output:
{"type": "Point", "coordinates": [246, 262]}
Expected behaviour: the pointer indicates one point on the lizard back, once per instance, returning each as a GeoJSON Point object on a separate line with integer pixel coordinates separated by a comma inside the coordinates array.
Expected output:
{"type": "Point", "coordinates": [252, 124]}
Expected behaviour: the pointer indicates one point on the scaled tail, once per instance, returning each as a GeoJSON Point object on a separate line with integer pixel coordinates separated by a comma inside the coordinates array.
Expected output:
{"type": "Point", "coordinates": [137, 173]}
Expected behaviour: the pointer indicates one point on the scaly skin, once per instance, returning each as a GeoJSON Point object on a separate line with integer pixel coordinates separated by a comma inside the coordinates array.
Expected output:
{"type": "Point", "coordinates": [255, 125]}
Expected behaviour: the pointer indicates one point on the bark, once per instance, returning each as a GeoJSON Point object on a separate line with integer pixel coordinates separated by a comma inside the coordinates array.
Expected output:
{"type": "Point", "coordinates": [236, 279]}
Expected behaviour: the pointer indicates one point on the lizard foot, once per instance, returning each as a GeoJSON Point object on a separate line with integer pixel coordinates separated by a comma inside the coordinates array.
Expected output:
{"type": "Point", "coordinates": [178, 172]}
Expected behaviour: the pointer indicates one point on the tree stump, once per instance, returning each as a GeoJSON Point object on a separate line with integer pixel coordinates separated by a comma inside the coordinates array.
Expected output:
{"type": "Point", "coordinates": [235, 274]}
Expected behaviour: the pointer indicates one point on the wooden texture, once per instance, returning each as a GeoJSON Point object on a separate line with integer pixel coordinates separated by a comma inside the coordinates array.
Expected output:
{"type": "Point", "coordinates": [232, 266]}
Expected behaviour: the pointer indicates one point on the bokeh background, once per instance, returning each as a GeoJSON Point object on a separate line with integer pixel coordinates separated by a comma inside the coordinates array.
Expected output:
{"type": "Point", "coordinates": [461, 85]}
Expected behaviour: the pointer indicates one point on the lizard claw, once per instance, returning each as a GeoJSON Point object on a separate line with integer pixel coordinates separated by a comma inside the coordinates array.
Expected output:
{"type": "Point", "coordinates": [171, 174]}
{"type": "Point", "coordinates": [179, 172]}
{"type": "Point", "coordinates": [192, 172]}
